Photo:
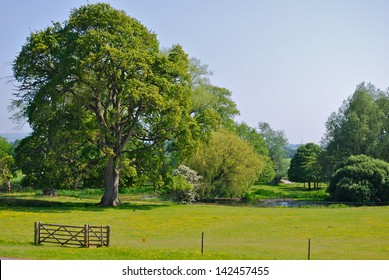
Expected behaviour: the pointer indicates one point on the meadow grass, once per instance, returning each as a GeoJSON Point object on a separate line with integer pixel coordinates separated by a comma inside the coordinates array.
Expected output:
{"type": "Point", "coordinates": [162, 230]}
{"type": "Point", "coordinates": [295, 191]}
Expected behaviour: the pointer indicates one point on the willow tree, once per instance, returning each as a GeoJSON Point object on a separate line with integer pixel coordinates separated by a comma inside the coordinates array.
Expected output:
{"type": "Point", "coordinates": [106, 67]}
{"type": "Point", "coordinates": [228, 164]}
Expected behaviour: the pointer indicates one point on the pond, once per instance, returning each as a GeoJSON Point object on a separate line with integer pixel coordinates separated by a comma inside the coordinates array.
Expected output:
{"type": "Point", "coordinates": [274, 203]}
{"type": "Point", "coordinates": [290, 203]}
{"type": "Point", "coordinates": [302, 203]}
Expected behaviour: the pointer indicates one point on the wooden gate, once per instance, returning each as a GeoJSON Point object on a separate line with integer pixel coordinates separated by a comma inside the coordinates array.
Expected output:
{"type": "Point", "coordinates": [83, 236]}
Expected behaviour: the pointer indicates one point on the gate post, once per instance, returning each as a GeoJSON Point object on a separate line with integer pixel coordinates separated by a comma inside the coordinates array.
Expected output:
{"type": "Point", "coordinates": [36, 233]}
{"type": "Point", "coordinates": [108, 234]}
{"type": "Point", "coordinates": [101, 237]}
{"type": "Point", "coordinates": [86, 235]}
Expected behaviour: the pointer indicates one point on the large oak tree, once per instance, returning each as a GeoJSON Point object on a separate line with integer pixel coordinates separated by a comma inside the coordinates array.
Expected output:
{"type": "Point", "coordinates": [102, 72]}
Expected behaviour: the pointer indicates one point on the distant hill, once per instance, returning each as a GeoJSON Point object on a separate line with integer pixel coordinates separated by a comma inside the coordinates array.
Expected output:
{"type": "Point", "coordinates": [291, 149]}
{"type": "Point", "coordinates": [12, 137]}
{"type": "Point", "coordinates": [294, 146]}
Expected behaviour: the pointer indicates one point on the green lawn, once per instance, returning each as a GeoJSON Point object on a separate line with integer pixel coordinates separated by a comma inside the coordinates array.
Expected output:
{"type": "Point", "coordinates": [159, 230]}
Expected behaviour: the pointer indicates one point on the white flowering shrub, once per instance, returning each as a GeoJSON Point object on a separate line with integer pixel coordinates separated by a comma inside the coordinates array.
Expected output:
{"type": "Point", "coordinates": [186, 184]}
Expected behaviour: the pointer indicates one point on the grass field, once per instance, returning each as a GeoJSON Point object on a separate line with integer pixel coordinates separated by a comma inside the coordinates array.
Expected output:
{"type": "Point", "coordinates": [143, 229]}
{"type": "Point", "coordinates": [292, 191]}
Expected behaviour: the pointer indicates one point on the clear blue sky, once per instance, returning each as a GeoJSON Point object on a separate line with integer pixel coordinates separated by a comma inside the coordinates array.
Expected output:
{"type": "Point", "coordinates": [288, 63]}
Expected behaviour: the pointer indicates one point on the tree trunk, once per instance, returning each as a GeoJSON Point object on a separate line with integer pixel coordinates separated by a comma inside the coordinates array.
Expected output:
{"type": "Point", "coordinates": [111, 182]}
{"type": "Point", "coordinates": [309, 185]}
{"type": "Point", "coordinates": [8, 184]}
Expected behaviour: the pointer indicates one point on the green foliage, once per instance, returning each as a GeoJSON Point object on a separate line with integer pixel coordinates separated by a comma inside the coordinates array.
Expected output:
{"type": "Point", "coordinates": [211, 106]}
{"type": "Point", "coordinates": [6, 161]}
{"type": "Point", "coordinates": [288, 191]}
{"type": "Point", "coordinates": [228, 164]}
{"type": "Point", "coordinates": [5, 147]}
{"type": "Point", "coordinates": [186, 185]}
{"type": "Point", "coordinates": [96, 89]}
{"type": "Point", "coordinates": [381, 143]}
{"type": "Point", "coordinates": [268, 173]}
{"type": "Point", "coordinates": [291, 150]}
{"type": "Point", "coordinates": [181, 191]}
{"type": "Point", "coordinates": [360, 179]}
{"type": "Point", "coordinates": [304, 166]}
{"type": "Point", "coordinates": [59, 167]}
{"type": "Point", "coordinates": [29, 157]}
{"type": "Point", "coordinates": [359, 127]}
{"type": "Point", "coordinates": [276, 142]}
{"type": "Point", "coordinates": [84, 193]}
{"type": "Point", "coordinates": [252, 136]}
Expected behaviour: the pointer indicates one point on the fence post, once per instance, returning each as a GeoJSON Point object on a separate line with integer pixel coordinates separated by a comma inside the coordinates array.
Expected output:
{"type": "Point", "coordinates": [309, 249]}
{"type": "Point", "coordinates": [86, 235]}
{"type": "Point", "coordinates": [108, 234]}
{"type": "Point", "coordinates": [202, 243]}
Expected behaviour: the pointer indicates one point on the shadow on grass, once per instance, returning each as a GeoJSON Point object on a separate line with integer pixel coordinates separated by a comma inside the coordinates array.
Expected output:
{"type": "Point", "coordinates": [38, 205]}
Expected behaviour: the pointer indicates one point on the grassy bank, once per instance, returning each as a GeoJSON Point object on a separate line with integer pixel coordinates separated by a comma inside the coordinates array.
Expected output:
{"type": "Point", "coordinates": [291, 191]}
{"type": "Point", "coordinates": [159, 230]}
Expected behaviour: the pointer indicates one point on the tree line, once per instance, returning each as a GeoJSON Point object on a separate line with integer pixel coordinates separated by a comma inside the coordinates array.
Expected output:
{"type": "Point", "coordinates": [353, 156]}
{"type": "Point", "coordinates": [109, 107]}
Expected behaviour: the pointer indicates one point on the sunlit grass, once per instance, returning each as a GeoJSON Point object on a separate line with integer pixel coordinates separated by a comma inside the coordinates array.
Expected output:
{"type": "Point", "coordinates": [291, 191]}
{"type": "Point", "coordinates": [161, 230]}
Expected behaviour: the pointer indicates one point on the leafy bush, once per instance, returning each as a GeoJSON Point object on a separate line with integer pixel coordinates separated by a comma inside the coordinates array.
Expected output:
{"type": "Point", "coordinates": [185, 185]}
{"type": "Point", "coordinates": [181, 191]}
{"type": "Point", "coordinates": [360, 179]}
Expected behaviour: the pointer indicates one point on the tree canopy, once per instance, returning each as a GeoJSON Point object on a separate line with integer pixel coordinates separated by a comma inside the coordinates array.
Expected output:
{"type": "Point", "coordinates": [107, 106]}
{"type": "Point", "coordinates": [276, 142]}
{"type": "Point", "coordinates": [255, 139]}
{"type": "Point", "coordinates": [360, 178]}
{"type": "Point", "coordinates": [228, 165]}
{"type": "Point", "coordinates": [359, 127]}
{"type": "Point", "coordinates": [100, 80]}
{"type": "Point", "coordinates": [305, 166]}
{"type": "Point", "coordinates": [6, 162]}
{"type": "Point", "coordinates": [211, 106]}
